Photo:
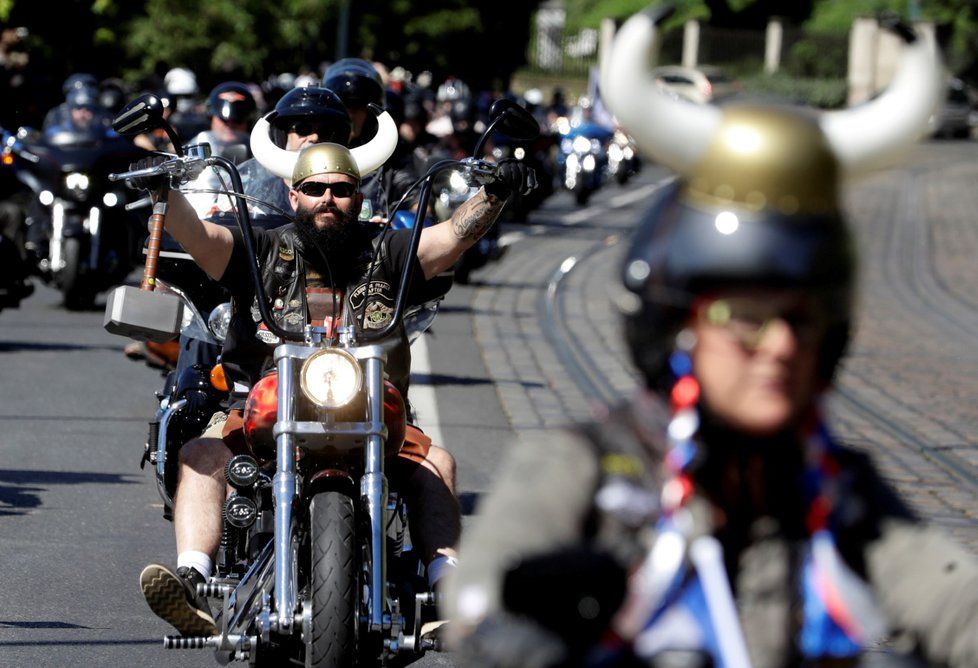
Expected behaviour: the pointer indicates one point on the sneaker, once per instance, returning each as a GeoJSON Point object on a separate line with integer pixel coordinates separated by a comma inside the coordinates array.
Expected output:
{"type": "Point", "coordinates": [173, 598]}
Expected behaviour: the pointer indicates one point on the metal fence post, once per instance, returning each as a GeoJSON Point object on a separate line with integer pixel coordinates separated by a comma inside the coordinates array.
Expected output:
{"type": "Point", "coordinates": [773, 39]}
{"type": "Point", "coordinates": [691, 43]}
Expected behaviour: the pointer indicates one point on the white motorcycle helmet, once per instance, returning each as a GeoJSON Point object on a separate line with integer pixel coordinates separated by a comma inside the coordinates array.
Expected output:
{"type": "Point", "coordinates": [180, 81]}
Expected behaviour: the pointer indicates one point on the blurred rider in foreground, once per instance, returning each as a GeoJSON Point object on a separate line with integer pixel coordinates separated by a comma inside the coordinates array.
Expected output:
{"type": "Point", "coordinates": [713, 520]}
{"type": "Point", "coordinates": [317, 272]}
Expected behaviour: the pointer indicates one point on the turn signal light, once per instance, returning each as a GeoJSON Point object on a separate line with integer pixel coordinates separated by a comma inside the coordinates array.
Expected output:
{"type": "Point", "coordinates": [218, 380]}
{"type": "Point", "coordinates": [7, 159]}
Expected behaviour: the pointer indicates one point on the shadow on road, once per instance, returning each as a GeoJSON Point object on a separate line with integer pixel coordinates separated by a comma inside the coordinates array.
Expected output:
{"type": "Point", "coordinates": [40, 625]}
{"type": "Point", "coordinates": [20, 490]}
{"type": "Point", "coordinates": [16, 346]}
{"type": "Point", "coordinates": [442, 379]}
{"type": "Point", "coordinates": [59, 643]}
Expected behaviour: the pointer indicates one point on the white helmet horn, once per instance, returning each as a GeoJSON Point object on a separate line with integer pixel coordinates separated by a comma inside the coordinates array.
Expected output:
{"type": "Point", "coordinates": [375, 152]}
{"type": "Point", "coordinates": [672, 131]}
{"type": "Point", "coordinates": [874, 134]}
{"type": "Point", "coordinates": [369, 157]}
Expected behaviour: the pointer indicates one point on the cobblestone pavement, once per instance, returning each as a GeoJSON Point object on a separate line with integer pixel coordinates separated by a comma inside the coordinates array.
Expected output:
{"type": "Point", "coordinates": [909, 386]}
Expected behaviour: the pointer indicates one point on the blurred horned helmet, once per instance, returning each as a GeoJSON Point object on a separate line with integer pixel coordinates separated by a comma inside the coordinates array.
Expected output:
{"type": "Point", "coordinates": [757, 199]}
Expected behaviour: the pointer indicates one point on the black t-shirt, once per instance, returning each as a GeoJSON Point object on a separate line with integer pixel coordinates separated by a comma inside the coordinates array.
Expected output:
{"type": "Point", "coordinates": [248, 348]}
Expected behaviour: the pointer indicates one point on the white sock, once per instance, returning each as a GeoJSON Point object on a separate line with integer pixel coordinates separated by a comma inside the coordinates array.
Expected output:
{"type": "Point", "coordinates": [198, 561]}
{"type": "Point", "coordinates": [439, 566]}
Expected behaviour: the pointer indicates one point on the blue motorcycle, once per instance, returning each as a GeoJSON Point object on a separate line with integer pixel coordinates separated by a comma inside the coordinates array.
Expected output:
{"type": "Point", "coordinates": [582, 159]}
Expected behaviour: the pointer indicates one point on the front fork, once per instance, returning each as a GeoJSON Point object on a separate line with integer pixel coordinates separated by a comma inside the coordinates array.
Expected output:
{"type": "Point", "coordinates": [373, 491]}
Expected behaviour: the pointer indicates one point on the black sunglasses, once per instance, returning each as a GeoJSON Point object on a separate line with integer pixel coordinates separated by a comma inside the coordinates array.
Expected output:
{"type": "Point", "coordinates": [306, 128]}
{"type": "Point", "coordinates": [318, 189]}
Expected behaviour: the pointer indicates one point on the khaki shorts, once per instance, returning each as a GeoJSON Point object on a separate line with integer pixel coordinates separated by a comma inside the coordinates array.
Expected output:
{"type": "Point", "coordinates": [229, 427]}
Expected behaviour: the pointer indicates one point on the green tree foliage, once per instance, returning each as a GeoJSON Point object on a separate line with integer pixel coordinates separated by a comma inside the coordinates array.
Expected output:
{"type": "Point", "coordinates": [956, 21]}
{"type": "Point", "coordinates": [588, 13]}
{"type": "Point", "coordinates": [251, 39]}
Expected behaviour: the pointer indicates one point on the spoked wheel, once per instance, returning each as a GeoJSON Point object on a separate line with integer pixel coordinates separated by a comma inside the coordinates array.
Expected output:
{"type": "Point", "coordinates": [333, 582]}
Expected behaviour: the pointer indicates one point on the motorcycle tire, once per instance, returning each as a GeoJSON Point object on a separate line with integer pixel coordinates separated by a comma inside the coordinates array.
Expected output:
{"type": "Point", "coordinates": [333, 581]}
{"type": "Point", "coordinates": [78, 294]}
{"type": "Point", "coordinates": [622, 176]}
{"type": "Point", "coordinates": [581, 196]}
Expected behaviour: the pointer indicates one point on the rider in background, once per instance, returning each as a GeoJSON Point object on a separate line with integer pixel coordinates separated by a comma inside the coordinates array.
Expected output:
{"type": "Point", "coordinates": [232, 109]}
{"type": "Point", "coordinates": [358, 84]}
{"type": "Point", "coordinates": [713, 519]}
{"type": "Point", "coordinates": [61, 114]}
{"type": "Point", "coordinates": [182, 91]}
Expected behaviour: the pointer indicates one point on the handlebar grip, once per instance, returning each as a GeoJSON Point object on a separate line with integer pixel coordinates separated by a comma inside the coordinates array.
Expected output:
{"type": "Point", "coordinates": [135, 173]}
{"type": "Point", "coordinates": [156, 224]}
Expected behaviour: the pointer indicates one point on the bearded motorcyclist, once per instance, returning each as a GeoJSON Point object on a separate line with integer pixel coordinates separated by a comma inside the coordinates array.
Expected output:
{"type": "Point", "coordinates": [318, 263]}
{"type": "Point", "coordinates": [713, 520]}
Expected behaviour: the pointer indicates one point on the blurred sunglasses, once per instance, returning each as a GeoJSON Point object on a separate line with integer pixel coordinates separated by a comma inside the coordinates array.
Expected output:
{"type": "Point", "coordinates": [318, 189]}
{"type": "Point", "coordinates": [322, 131]}
{"type": "Point", "coordinates": [747, 319]}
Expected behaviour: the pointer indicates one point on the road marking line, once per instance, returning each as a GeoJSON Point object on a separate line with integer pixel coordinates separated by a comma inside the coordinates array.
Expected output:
{"type": "Point", "coordinates": [625, 199]}
{"type": "Point", "coordinates": [423, 394]}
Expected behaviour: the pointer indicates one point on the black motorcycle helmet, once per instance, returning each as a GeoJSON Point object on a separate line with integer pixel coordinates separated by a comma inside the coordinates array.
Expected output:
{"type": "Point", "coordinates": [79, 80]}
{"type": "Point", "coordinates": [356, 82]}
{"type": "Point", "coordinates": [86, 98]}
{"type": "Point", "coordinates": [314, 104]}
{"type": "Point", "coordinates": [232, 102]}
{"type": "Point", "coordinates": [684, 248]}
{"type": "Point", "coordinates": [112, 95]}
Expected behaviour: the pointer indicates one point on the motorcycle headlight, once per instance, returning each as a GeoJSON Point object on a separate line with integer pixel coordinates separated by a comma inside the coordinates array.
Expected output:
{"type": "Point", "coordinates": [582, 144]}
{"type": "Point", "coordinates": [566, 145]}
{"type": "Point", "coordinates": [219, 320]}
{"type": "Point", "coordinates": [457, 182]}
{"type": "Point", "coordinates": [331, 378]}
{"type": "Point", "coordinates": [589, 163]}
{"type": "Point", "coordinates": [77, 182]}
{"type": "Point", "coordinates": [519, 153]}
{"type": "Point", "coordinates": [614, 152]}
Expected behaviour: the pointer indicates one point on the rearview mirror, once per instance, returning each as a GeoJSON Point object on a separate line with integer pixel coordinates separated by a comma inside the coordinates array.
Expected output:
{"type": "Point", "coordinates": [143, 114]}
{"type": "Point", "coordinates": [513, 120]}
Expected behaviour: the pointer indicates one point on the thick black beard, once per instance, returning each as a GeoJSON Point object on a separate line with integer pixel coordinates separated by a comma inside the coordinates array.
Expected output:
{"type": "Point", "coordinates": [342, 243]}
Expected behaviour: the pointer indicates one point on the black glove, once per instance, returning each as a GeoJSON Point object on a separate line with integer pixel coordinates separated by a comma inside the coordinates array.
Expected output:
{"type": "Point", "coordinates": [512, 176]}
{"type": "Point", "coordinates": [151, 183]}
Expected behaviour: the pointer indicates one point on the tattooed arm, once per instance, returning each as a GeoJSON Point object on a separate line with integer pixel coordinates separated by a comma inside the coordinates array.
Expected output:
{"type": "Point", "coordinates": [443, 244]}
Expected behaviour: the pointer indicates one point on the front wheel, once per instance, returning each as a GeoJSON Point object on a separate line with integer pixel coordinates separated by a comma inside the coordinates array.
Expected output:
{"type": "Point", "coordinates": [333, 581]}
{"type": "Point", "coordinates": [582, 194]}
{"type": "Point", "coordinates": [76, 287]}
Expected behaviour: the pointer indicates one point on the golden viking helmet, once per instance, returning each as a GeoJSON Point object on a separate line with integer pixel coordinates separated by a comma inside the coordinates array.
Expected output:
{"type": "Point", "coordinates": [777, 159]}
{"type": "Point", "coordinates": [324, 159]}
{"type": "Point", "coordinates": [767, 159]}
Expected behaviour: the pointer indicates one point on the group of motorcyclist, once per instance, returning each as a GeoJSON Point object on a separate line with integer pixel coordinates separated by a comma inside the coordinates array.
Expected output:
{"type": "Point", "coordinates": [711, 519]}
{"type": "Point", "coordinates": [435, 122]}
